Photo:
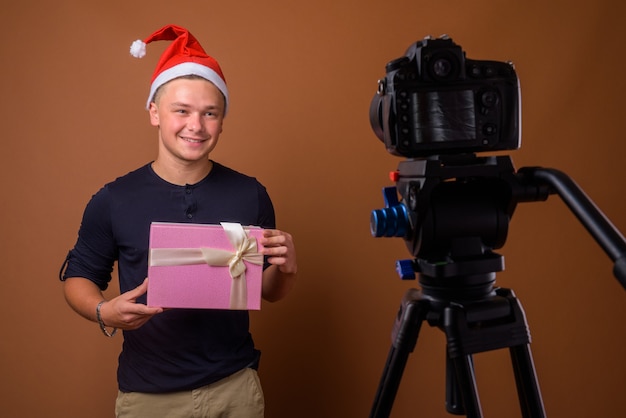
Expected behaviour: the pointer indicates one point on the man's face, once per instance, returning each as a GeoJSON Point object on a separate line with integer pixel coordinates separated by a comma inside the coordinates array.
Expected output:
{"type": "Point", "coordinates": [189, 114]}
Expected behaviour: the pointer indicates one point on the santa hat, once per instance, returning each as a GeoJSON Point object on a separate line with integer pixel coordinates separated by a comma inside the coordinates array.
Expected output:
{"type": "Point", "coordinates": [184, 56]}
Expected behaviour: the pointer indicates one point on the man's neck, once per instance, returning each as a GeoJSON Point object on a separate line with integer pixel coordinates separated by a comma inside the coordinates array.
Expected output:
{"type": "Point", "coordinates": [182, 173]}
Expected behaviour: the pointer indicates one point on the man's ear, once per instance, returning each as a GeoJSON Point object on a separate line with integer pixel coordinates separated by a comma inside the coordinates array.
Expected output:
{"type": "Point", "coordinates": [154, 114]}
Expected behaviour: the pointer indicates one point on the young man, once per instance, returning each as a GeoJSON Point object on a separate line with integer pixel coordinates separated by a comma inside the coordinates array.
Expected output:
{"type": "Point", "coordinates": [177, 362]}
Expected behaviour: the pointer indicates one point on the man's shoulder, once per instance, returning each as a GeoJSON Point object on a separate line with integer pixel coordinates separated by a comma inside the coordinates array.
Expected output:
{"type": "Point", "coordinates": [220, 170]}
{"type": "Point", "coordinates": [131, 179]}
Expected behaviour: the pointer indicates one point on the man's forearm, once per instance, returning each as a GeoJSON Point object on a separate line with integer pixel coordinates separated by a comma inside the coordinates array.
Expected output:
{"type": "Point", "coordinates": [83, 296]}
{"type": "Point", "coordinates": [276, 284]}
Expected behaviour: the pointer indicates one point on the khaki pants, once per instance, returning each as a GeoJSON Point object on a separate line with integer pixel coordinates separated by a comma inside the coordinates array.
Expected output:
{"type": "Point", "coordinates": [236, 396]}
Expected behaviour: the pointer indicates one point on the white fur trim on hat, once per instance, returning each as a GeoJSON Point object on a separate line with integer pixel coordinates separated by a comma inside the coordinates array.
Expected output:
{"type": "Point", "coordinates": [188, 68]}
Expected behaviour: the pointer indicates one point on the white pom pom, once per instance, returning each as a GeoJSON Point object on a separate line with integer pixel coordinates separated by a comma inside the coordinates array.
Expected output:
{"type": "Point", "coordinates": [138, 49]}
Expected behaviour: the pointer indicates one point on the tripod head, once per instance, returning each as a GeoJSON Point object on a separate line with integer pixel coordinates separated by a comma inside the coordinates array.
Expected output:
{"type": "Point", "coordinates": [454, 211]}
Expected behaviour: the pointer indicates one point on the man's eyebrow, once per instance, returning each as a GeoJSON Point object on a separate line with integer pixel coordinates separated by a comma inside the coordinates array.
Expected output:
{"type": "Point", "coordinates": [179, 104]}
{"type": "Point", "coordinates": [187, 106]}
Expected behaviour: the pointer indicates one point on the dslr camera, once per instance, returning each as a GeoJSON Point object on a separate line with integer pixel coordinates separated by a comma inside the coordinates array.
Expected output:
{"type": "Point", "coordinates": [435, 101]}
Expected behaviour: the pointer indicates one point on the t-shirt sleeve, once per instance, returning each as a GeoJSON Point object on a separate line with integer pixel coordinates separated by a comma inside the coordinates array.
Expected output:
{"type": "Point", "coordinates": [267, 217]}
{"type": "Point", "coordinates": [95, 251]}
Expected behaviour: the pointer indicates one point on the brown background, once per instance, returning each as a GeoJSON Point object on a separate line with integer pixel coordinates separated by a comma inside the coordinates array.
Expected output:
{"type": "Point", "coordinates": [301, 76]}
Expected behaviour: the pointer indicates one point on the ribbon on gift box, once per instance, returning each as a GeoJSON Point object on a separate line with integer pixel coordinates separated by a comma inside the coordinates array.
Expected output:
{"type": "Point", "coordinates": [245, 250]}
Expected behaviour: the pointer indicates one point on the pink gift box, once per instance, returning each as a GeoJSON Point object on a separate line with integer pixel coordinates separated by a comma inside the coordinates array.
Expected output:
{"type": "Point", "coordinates": [177, 278]}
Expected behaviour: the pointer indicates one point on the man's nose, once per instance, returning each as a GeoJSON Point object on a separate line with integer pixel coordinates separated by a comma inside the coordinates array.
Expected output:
{"type": "Point", "coordinates": [194, 122]}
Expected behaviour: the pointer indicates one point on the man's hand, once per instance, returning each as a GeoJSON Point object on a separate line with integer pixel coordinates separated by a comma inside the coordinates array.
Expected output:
{"type": "Point", "coordinates": [279, 247]}
{"type": "Point", "coordinates": [124, 312]}
{"type": "Point", "coordinates": [280, 277]}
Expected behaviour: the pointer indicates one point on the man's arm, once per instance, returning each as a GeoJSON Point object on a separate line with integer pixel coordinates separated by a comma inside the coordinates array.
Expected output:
{"type": "Point", "coordinates": [122, 312]}
{"type": "Point", "coordinates": [276, 284]}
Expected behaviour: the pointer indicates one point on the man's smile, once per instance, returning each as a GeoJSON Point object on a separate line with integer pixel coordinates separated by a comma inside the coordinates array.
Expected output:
{"type": "Point", "coordinates": [193, 140]}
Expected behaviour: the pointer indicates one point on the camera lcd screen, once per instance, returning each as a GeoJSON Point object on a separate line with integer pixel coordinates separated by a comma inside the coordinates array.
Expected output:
{"type": "Point", "coordinates": [443, 116]}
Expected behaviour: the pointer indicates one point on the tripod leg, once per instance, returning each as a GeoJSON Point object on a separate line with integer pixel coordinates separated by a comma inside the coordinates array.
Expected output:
{"type": "Point", "coordinates": [528, 392]}
{"type": "Point", "coordinates": [466, 384]}
{"type": "Point", "coordinates": [389, 382]}
{"type": "Point", "coordinates": [531, 403]}
{"type": "Point", "coordinates": [406, 330]}
{"type": "Point", "coordinates": [454, 398]}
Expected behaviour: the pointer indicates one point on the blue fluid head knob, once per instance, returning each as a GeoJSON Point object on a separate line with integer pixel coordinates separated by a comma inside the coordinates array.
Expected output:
{"type": "Point", "coordinates": [389, 222]}
{"type": "Point", "coordinates": [405, 269]}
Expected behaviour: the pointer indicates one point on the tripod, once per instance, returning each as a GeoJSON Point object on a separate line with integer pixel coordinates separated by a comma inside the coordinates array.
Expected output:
{"type": "Point", "coordinates": [491, 319]}
{"type": "Point", "coordinates": [459, 211]}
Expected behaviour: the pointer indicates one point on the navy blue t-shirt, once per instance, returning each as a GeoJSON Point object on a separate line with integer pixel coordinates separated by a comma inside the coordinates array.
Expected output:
{"type": "Point", "coordinates": [180, 349]}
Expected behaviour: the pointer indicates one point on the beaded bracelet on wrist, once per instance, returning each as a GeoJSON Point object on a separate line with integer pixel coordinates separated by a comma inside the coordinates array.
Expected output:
{"type": "Point", "coordinates": [101, 323]}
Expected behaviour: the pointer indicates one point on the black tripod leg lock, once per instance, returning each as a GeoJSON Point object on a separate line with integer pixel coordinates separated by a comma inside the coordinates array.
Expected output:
{"type": "Point", "coordinates": [499, 322]}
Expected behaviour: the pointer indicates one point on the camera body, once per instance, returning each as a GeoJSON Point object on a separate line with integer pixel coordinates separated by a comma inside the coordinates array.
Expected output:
{"type": "Point", "coordinates": [434, 101]}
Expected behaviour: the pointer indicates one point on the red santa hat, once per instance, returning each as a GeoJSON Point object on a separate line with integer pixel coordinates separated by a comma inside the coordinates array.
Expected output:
{"type": "Point", "coordinates": [184, 56]}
